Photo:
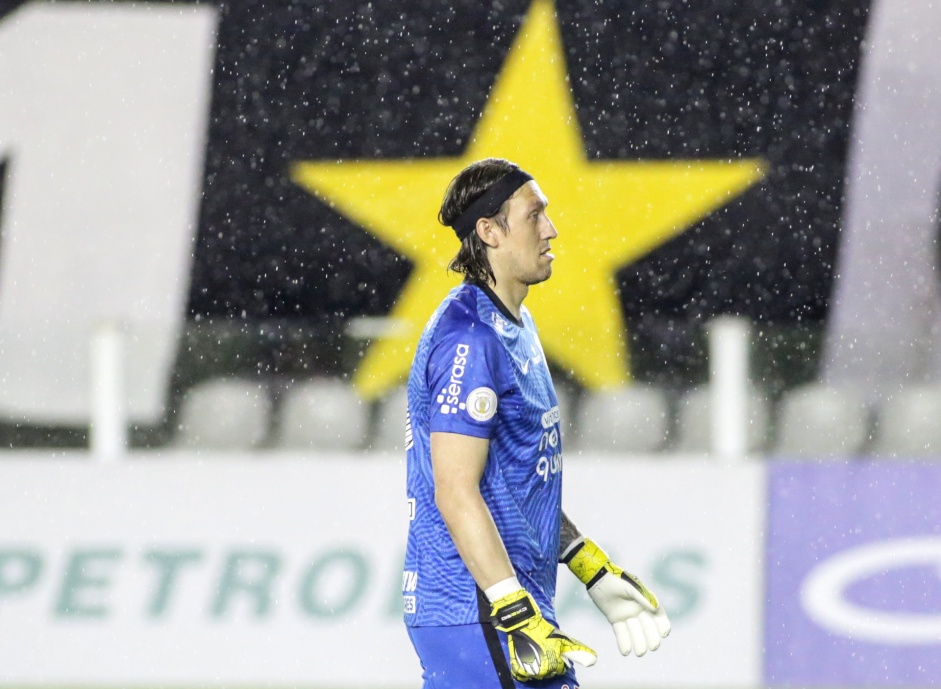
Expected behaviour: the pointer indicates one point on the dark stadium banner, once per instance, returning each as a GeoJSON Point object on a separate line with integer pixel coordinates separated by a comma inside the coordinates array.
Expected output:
{"type": "Point", "coordinates": [658, 81]}
{"type": "Point", "coordinates": [669, 81]}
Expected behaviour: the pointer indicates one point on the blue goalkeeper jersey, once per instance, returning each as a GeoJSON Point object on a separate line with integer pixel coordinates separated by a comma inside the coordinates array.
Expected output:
{"type": "Point", "coordinates": [479, 372]}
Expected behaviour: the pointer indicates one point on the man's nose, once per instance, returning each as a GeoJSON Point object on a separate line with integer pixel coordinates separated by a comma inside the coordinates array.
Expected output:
{"type": "Point", "coordinates": [552, 233]}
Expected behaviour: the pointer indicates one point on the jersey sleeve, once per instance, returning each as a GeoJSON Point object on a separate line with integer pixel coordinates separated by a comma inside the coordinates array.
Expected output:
{"type": "Point", "coordinates": [465, 370]}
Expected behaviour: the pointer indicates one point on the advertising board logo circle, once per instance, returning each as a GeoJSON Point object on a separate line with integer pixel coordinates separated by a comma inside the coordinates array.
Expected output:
{"type": "Point", "coordinates": [824, 600]}
{"type": "Point", "coordinates": [482, 404]}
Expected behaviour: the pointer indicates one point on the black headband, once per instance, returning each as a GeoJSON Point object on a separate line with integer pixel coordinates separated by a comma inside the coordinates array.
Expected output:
{"type": "Point", "coordinates": [490, 202]}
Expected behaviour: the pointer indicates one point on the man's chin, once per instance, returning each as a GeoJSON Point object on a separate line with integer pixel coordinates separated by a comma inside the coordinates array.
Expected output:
{"type": "Point", "coordinates": [541, 277]}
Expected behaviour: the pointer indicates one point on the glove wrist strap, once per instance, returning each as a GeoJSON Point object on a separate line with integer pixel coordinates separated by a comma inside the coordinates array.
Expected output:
{"type": "Point", "coordinates": [515, 611]}
{"type": "Point", "coordinates": [586, 561]}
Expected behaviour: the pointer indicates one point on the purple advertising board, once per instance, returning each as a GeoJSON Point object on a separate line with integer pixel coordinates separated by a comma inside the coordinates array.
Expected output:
{"type": "Point", "coordinates": [853, 575]}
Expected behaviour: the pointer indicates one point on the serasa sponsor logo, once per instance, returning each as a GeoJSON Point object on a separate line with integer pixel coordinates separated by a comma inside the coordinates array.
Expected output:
{"type": "Point", "coordinates": [450, 396]}
{"type": "Point", "coordinates": [824, 598]}
{"type": "Point", "coordinates": [550, 453]}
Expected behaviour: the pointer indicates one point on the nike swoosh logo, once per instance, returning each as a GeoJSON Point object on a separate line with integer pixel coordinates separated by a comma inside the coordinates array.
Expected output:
{"type": "Point", "coordinates": [525, 367]}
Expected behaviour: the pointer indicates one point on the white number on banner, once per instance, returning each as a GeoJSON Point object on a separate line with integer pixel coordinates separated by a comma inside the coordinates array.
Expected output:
{"type": "Point", "coordinates": [103, 111]}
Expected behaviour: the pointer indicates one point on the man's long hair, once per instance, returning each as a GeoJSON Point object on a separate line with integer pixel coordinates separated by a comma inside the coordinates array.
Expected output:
{"type": "Point", "coordinates": [469, 185]}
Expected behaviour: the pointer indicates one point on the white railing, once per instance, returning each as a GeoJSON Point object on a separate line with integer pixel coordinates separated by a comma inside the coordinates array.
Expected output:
{"type": "Point", "coordinates": [729, 347]}
{"type": "Point", "coordinates": [108, 431]}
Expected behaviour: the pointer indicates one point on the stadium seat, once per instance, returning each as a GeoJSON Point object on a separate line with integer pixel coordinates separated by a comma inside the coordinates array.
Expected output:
{"type": "Point", "coordinates": [817, 421]}
{"type": "Point", "coordinates": [631, 419]}
{"type": "Point", "coordinates": [389, 435]}
{"type": "Point", "coordinates": [694, 421]}
{"type": "Point", "coordinates": [322, 413]}
{"type": "Point", "coordinates": [909, 424]}
{"type": "Point", "coordinates": [224, 414]}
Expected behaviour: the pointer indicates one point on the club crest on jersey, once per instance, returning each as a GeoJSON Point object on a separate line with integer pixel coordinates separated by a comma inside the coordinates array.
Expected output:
{"type": "Point", "coordinates": [482, 404]}
{"type": "Point", "coordinates": [450, 396]}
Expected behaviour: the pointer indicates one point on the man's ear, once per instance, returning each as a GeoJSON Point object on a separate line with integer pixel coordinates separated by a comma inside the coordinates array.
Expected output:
{"type": "Point", "coordinates": [487, 231]}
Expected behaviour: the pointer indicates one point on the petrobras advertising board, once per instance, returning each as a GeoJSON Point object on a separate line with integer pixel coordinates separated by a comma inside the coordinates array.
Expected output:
{"type": "Point", "coordinates": [854, 576]}
{"type": "Point", "coordinates": [202, 570]}
{"type": "Point", "coordinates": [273, 570]}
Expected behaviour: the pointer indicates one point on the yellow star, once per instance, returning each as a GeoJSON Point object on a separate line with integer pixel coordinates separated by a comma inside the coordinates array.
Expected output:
{"type": "Point", "coordinates": [608, 214]}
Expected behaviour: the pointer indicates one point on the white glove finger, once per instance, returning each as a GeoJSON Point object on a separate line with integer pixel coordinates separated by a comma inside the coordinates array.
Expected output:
{"type": "Point", "coordinates": [623, 637]}
{"type": "Point", "coordinates": [651, 635]}
{"type": "Point", "coordinates": [663, 622]}
{"type": "Point", "coordinates": [637, 636]}
{"type": "Point", "coordinates": [585, 658]}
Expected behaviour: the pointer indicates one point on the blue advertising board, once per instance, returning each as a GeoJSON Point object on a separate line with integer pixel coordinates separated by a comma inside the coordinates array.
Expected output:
{"type": "Point", "coordinates": [853, 575]}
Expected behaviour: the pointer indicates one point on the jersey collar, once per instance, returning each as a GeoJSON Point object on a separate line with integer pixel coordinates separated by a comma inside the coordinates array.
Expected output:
{"type": "Point", "coordinates": [501, 307]}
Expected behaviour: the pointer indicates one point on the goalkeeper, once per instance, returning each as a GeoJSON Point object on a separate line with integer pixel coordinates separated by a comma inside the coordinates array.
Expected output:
{"type": "Point", "coordinates": [484, 458]}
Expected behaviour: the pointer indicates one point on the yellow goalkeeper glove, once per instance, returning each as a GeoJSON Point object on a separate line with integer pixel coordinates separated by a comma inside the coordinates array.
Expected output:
{"type": "Point", "coordinates": [537, 649]}
{"type": "Point", "coordinates": [638, 619]}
